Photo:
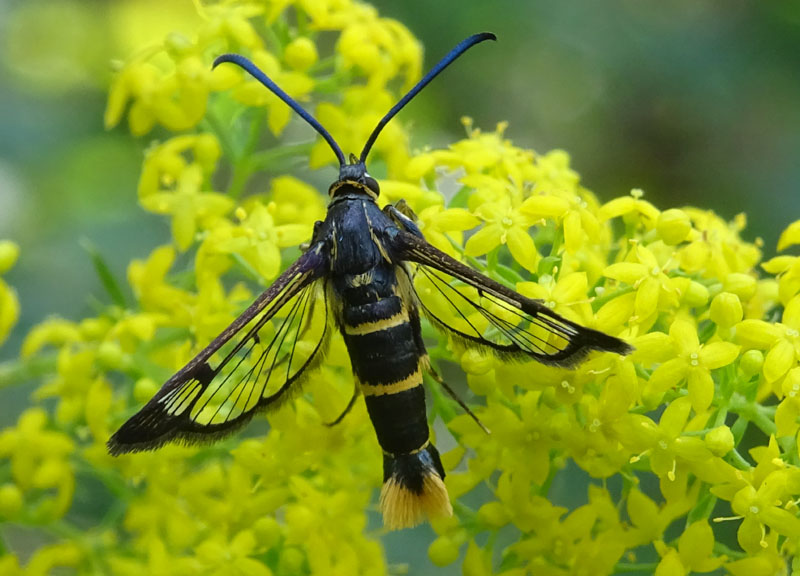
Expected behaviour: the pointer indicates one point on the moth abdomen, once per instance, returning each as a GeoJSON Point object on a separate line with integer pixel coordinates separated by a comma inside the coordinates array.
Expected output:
{"type": "Point", "coordinates": [382, 333]}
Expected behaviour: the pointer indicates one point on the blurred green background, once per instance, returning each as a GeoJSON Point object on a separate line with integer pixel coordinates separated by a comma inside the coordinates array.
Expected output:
{"type": "Point", "coordinates": [695, 102]}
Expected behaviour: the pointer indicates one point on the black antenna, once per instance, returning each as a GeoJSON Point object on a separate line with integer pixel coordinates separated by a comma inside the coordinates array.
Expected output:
{"type": "Point", "coordinates": [460, 48]}
{"type": "Point", "coordinates": [256, 73]}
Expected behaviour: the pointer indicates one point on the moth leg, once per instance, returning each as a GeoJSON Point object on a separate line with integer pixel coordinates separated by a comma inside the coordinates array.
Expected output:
{"type": "Point", "coordinates": [402, 215]}
{"type": "Point", "coordinates": [452, 393]}
{"type": "Point", "coordinates": [347, 408]}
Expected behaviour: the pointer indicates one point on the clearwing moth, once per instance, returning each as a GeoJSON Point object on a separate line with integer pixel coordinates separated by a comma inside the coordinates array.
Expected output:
{"type": "Point", "coordinates": [357, 275]}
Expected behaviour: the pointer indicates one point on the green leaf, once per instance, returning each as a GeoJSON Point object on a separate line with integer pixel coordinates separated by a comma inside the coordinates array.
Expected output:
{"type": "Point", "coordinates": [107, 278]}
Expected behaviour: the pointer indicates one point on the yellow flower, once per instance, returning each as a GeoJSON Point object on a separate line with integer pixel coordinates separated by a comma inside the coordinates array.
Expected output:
{"type": "Point", "coordinates": [578, 220]}
{"type": "Point", "coordinates": [566, 295]}
{"type": "Point", "coordinates": [504, 224]}
{"type": "Point", "coordinates": [632, 208]}
{"type": "Point", "coordinates": [693, 362]}
{"type": "Point", "coordinates": [664, 443]}
{"type": "Point", "coordinates": [695, 552]}
{"type": "Point", "coordinates": [782, 339]}
{"type": "Point", "coordinates": [648, 277]}
{"type": "Point", "coordinates": [39, 463]}
{"type": "Point", "coordinates": [760, 508]}
{"type": "Point", "coordinates": [438, 224]}
{"type": "Point", "coordinates": [190, 207]}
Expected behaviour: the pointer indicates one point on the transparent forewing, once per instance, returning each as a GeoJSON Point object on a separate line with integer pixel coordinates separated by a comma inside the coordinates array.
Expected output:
{"type": "Point", "coordinates": [477, 317]}
{"type": "Point", "coordinates": [258, 364]}
{"type": "Point", "coordinates": [478, 311]}
{"type": "Point", "coordinates": [251, 365]}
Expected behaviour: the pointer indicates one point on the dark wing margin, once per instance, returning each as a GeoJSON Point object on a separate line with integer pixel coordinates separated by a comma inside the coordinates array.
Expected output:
{"type": "Point", "coordinates": [248, 367]}
{"type": "Point", "coordinates": [485, 314]}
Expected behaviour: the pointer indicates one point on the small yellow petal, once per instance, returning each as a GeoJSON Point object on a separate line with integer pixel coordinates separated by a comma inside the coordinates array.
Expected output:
{"type": "Point", "coordinates": [790, 236]}
{"type": "Point", "coordinates": [668, 375]}
{"type": "Point", "coordinates": [617, 207]}
{"type": "Point", "coordinates": [628, 272]}
{"type": "Point", "coordinates": [572, 287]}
{"type": "Point", "coordinates": [791, 314]}
{"type": "Point", "coordinates": [522, 248]}
{"type": "Point", "coordinates": [757, 333]}
{"type": "Point", "coordinates": [670, 565]}
{"type": "Point", "coordinates": [551, 207]}
{"type": "Point", "coordinates": [647, 297]}
{"type": "Point", "coordinates": [778, 361]}
{"type": "Point", "coordinates": [718, 354]}
{"type": "Point", "coordinates": [484, 240]}
{"type": "Point", "coordinates": [684, 334]}
{"type": "Point", "coordinates": [573, 233]}
{"type": "Point", "coordinates": [456, 219]}
{"type": "Point", "coordinates": [701, 389]}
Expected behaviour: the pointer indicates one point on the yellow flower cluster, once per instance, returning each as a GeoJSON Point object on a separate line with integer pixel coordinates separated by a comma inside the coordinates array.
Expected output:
{"type": "Point", "coordinates": [697, 429]}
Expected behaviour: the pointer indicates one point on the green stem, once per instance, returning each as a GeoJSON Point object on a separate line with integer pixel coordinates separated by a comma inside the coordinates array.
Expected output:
{"type": "Point", "coordinates": [720, 417]}
{"type": "Point", "coordinates": [761, 416]}
{"type": "Point", "coordinates": [15, 372]}
{"type": "Point", "coordinates": [720, 549]}
{"type": "Point", "coordinates": [242, 171]}
{"type": "Point", "coordinates": [738, 461]}
{"type": "Point", "coordinates": [222, 135]}
{"type": "Point", "coordinates": [271, 158]}
{"type": "Point", "coordinates": [242, 163]}
{"type": "Point", "coordinates": [599, 301]}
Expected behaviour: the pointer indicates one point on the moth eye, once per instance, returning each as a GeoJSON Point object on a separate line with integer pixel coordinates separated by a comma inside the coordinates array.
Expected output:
{"type": "Point", "coordinates": [372, 184]}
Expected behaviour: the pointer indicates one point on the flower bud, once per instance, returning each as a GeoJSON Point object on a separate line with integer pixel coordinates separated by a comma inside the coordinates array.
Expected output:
{"type": "Point", "coordinates": [673, 226]}
{"type": "Point", "coordinates": [726, 310]}
{"type": "Point", "coordinates": [268, 531]}
{"type": "Point", "coordinates": [743, 285]}
{"type": "Point", "coordinates": [301, 53]}
{"type": "Point", "coordinates": [110, 355]}
{"type": "Point", "coordinates": [720, 440]}
{"type": "Point", "coordinates": [443, 551]}
{"type": "Point", "coordinates": [493, 514]}
{"type": "Point", "coordinates": [207, 150]}
{"type": "Point", "coordinates": [751, 362]}
{"type": "Point", "coordinates": [696, 294]}
{"type": "Point", "coordinates": [9, 252]}
{"type": "Point", "coordinates": [10, 500]}
{"type": "Point", "coordinates": [144, 389]}
{"type": "Point", "coordinates": [474, 362]}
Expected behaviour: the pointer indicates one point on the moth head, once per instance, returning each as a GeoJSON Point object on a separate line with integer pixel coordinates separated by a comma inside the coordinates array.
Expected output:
{"type": "Point", "coordinates": [353, 177]}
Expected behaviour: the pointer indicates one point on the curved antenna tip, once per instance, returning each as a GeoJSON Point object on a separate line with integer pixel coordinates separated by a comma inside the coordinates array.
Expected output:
{"type": "Point", "coordinates": [222, 58]}
{"type": "Point", "coordinates": [254, 71]}
{"type": "Point", "coordinates": [451, 56]}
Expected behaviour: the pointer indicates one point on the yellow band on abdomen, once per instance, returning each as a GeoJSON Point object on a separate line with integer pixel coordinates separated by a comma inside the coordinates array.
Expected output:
{"type": "Point", "coordinates": [411, 381]}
